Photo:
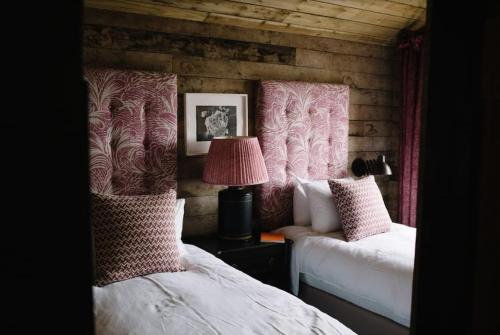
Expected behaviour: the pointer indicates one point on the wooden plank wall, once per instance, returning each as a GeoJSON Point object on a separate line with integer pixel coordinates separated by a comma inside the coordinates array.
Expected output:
{"type": "Point", "coordinates": [213, 58]}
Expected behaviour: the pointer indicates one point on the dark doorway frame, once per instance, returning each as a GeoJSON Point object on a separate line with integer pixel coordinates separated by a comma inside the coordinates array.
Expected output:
{"type": "Point", "coordinates": [458, 217]}
{"type": "Point", "coordinates": [45, 206]}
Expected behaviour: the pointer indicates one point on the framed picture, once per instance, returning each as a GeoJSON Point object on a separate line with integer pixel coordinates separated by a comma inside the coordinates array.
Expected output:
{"type": "Point", "coordinates": [209, 115]}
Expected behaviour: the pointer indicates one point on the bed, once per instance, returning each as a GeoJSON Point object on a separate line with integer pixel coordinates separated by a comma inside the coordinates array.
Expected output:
{"type": "Point", "coordinates": [303, 131]}
{"type": "Point", "coordinates": [374, 273]}
{"type": "Point", "coordinates": [133, 150]}
{"type": "Point", "coordinates": [210, 297]}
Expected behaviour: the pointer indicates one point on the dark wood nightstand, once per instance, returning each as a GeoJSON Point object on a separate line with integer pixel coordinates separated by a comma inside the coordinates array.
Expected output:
{"type": "Point", "coordinates": [267, 262]}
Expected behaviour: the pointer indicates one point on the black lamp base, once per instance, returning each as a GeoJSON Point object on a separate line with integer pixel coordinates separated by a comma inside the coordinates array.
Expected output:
{"type": "Point", "coordinates": [235, 214]}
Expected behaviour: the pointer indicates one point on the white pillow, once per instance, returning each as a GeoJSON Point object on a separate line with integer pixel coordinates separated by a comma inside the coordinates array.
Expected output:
{"type": "Point", "coordinates": [179, 218]}
{"type": "Point", "coordinates": [301, 212]}
{"type": "Point", "coordinates": [324, 213]}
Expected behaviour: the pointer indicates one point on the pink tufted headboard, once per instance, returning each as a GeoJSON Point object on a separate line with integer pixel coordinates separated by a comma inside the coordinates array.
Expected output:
{"type": "Point", "coordinates": [132, 131]}
{"type": "Point", "coordinates": [303, 130]}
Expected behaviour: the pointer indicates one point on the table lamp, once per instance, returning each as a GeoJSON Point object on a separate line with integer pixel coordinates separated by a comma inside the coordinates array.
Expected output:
{"type": "Point", "coordinates": [235, 161]}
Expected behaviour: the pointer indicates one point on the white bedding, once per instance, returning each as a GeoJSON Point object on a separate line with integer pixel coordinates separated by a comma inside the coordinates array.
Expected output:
{"type": "Point", "coordinates": [375, 273]}
{"type": "Point", "coordinates": [209, 298]}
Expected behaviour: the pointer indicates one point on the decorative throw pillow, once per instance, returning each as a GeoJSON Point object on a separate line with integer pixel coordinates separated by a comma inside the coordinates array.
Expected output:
{"type": "Point", "coordinates": [134, 236]}
{"type": "Point", "coordinates": [179, 221]}
{"type": "Point", "coordinates": [324, 214]}
{"type": "Point", "coordinates": [361, 207]}
{"type": "Point", "coordinates": [301, 212]}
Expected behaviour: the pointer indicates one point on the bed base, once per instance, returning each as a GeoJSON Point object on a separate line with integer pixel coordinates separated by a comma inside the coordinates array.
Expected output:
{"type": "Point", "coordinates": [360, 320]}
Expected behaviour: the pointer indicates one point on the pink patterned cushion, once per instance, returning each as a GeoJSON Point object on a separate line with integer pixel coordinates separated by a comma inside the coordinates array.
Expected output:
{"type": "Point", "coordinates": [132, 131]}
{"type": "Point", "coordinates": [302, 129]}
{"type": "Point", "coordinates": [361, 208]}
{"type": "Point", "coordinates": [134, 236]}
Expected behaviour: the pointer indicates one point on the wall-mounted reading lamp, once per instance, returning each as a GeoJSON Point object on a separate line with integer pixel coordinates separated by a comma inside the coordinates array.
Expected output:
{"type": "Point", "coordinates": [379, 166]}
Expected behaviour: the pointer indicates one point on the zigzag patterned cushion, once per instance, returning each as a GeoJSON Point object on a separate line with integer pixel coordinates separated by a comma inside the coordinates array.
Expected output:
{"type": "Point", "coordinates": [133, 236]}
{"type": "Point", "coordinates": [361, 207]}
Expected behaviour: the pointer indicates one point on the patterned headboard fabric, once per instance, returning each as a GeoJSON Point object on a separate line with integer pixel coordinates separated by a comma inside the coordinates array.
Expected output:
{"type": "Point", "coordinates": [132, 131]}
{"type": "Point", "coordinates": [303, 131]}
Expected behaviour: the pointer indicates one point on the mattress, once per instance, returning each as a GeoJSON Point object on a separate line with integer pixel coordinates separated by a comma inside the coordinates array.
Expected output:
{"type": "Point", "coordinates": [375, 273]}
{"type": "Point", "coordinates": [210, 297]}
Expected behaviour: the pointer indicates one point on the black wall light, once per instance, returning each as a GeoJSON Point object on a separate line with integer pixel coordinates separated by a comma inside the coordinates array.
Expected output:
{"type": "Point", "coordinates": [379, 166]}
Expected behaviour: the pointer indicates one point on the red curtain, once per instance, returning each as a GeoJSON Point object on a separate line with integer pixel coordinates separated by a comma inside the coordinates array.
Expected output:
{"type": "Point", "coordinates": [412, 75]}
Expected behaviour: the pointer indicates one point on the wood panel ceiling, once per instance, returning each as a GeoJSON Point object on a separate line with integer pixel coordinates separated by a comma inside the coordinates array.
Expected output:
{"type": "Point", "coordinates": [367, 21]}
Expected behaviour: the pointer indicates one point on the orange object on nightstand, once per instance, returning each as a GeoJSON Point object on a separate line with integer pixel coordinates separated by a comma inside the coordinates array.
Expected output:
{"type": "Point", "coordinates": [272, 237]}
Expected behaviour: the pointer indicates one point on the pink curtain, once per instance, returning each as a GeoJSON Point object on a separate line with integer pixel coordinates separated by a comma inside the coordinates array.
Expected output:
{"type": "Point", "coordinates": [412, 63]}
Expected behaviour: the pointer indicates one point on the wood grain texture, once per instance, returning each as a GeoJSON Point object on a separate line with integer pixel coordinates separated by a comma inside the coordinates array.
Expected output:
{"type": "Point", "coordinates": [319, 43]}
{"type": "Point", "coordinates": [394, 8]}
{"type": "Point", "coordinates": [376, 22]}
{"type": "Point", "coordinates": [118, 38]}
{"type": "Point", "coordinates": [199, 225]}
{"type": "Point", "coordinates": [232, 8]}
{"type": "Point", "coordinates": [337, 11]}
{"type": "Point", "coordinates": [192, 28]}
{"type": "Point", "coordinates": [127, 59]}
{"type": "Point", "coordinates": [219, 85]}
{"type": "Point", "coordinates": [296, 28]}
{"type": "Point", "coordinates": [372, 97]}
{"type": "Point", "coordinates": [374, 143]}
{"type": "Point", "coordinates": [373, 112]}
{"type": "Point", "coordinates": [195, 187]}
{"type": "Point", "coordinates": [373, 128]}
{"type": "Point", "coordinates": [196, 66]}
{"type": "Point", "coordinates": [262, 12]}
{"type": "Point", "coordinates": [335, 61]}
{"type": "Point", "coordinates": [201, 205]}
{"type": "Point", "coordinates": [348, 26]}
{"type": "Point", "coordinates": [147, 8]}
{"type": "Point", "coordinates": [380, 128]}
{"type": "Point", "coordinates": [356, 128]}
{"type": "Point", "coordinates": [213, 58]}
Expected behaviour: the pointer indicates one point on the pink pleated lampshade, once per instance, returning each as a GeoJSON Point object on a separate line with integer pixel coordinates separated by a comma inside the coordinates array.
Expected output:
{"type": "Point", "coordinates": [235, 161]}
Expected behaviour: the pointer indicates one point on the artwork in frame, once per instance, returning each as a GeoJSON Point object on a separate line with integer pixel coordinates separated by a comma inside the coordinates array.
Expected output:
{"type": "Point", "coordinates": [209, 115]}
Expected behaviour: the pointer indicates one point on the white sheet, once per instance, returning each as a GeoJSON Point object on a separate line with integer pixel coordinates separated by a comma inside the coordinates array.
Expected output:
{"type": "Point", "coordinates": [375, 273]}
{"type": "Point", "coordinates": [209, 298]}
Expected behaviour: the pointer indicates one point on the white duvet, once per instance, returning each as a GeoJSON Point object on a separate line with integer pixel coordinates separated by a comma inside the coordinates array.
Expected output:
{"type": "Point", "coordinates": [375, 273]}
{"type": "Point", "coordinates": [209, 298]}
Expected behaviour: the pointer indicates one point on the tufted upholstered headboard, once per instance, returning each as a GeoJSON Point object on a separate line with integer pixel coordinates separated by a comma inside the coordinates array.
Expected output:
{"type": "Point", "coordinates": [132, 131]}
{"type": "Point", "coordinates": [303, 130]}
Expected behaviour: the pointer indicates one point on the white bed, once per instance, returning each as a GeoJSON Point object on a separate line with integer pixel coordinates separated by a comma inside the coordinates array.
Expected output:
{"type": "Point", "coordinates": [210, 297]}
{"type": "Point", "coordinates": [375, 273]}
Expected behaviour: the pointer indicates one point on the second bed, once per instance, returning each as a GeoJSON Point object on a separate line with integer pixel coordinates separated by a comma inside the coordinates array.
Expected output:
{"type": "Point", "coordinates": [303, 131]}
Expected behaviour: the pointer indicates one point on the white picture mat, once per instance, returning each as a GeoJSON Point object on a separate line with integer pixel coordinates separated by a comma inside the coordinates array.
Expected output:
{"type": "Point", "coordinates": [191, 100]}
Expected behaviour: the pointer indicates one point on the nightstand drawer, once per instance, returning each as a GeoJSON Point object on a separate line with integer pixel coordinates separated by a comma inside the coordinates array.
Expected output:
{"type": "Point", "coordinates": [255, 259]}
{"type": "Point", "coordinates": [267, 262]}
{"type": "Point", "coordinates": [255, 264]}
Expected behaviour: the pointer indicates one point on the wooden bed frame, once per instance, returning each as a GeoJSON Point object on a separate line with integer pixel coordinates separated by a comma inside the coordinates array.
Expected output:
{"type": "Point", "coordinates": [360, 320]}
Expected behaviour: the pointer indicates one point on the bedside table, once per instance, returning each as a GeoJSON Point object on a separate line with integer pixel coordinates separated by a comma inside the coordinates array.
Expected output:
{"type": "Point", "coordinates": [267, 262]}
